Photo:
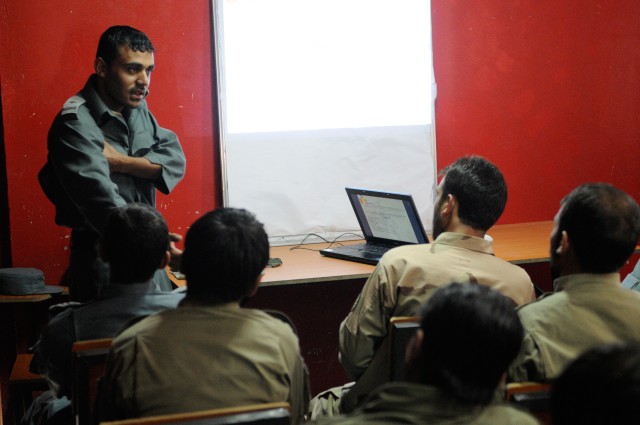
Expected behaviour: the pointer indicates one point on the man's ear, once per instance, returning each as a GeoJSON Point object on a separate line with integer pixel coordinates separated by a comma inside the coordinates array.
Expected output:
{"type": "Point", "coordinates": [100, 66]}
{"type": "Point", "coordinates": [448, 204]}
{"type": "Point", "coordinates": [564, 244]}
{"type": "Point", "coordinates": [165, 260]}
{"type": "Point", "coordinates": [253, 290]}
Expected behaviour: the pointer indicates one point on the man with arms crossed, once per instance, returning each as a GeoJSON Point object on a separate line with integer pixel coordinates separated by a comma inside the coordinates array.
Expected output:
{"type": "Point", "coordinates": [470, 199]}
{"type": "Point", "coordinates": [107, 150]}
{"type": "Point", "coordinates": [595, 232]}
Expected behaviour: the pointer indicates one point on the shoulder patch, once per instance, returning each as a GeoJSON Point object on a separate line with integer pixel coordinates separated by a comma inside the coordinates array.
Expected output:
{"type": "Point", "coordinates": [72, 104]}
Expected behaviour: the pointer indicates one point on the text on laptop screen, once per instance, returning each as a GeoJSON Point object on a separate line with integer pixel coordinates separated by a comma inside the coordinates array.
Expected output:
{"type": "Point", "coordinates": [387, 218]}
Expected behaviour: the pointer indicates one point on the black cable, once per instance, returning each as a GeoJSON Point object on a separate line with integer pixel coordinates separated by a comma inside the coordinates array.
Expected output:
{"type": "Point", "coordinates": [331, 243]}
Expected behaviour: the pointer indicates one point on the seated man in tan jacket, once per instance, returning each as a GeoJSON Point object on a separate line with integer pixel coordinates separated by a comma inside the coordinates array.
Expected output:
{"type": "Point", "coordinates": [471, 197]}
{"type": "Point", "coordinates": [209, 352]}
{"type": "Point", "coordinates": [468, 336]}
{"type": "Point", "coordinates": [595, 231]}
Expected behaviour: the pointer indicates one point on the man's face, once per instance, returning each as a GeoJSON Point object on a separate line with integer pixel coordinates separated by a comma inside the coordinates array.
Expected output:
{"type": "Point", "coordinates": [126, 79]}
{"type": "Point", "coordinates": [437, 222]}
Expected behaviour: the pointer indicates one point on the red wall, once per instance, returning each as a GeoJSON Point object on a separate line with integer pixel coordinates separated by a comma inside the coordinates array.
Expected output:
{"type": "Point", "coordinates": [47, 52]}
{"type": "Point", "coordinates": [547, 90]}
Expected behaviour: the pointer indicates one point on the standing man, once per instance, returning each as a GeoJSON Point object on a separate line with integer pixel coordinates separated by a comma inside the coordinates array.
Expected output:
{"type": "Point", "coordinates": [595, 232]}
{"type": "Point", "coordinates": [107, 150]}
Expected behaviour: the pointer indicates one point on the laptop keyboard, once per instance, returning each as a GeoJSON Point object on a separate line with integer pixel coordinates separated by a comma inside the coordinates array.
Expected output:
{"type": "Point", "coordinates": [372, 249]}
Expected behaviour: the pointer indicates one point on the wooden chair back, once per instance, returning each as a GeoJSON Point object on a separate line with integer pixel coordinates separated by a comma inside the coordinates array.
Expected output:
{"type": "Point", "coordinates": [88, 365]}
{"type": "Point", "coordinates": [255, 414]}
{"type": "Point", "coordinates": [531, 396]}
{"type": "Point", "coordinates": [401, 329]}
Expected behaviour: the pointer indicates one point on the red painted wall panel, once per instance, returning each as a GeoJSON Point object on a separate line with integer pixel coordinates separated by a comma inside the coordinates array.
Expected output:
{"type": "Point", "coordinates": [46, 55]}
{"type": "Point", "coordinates": [547, 90]}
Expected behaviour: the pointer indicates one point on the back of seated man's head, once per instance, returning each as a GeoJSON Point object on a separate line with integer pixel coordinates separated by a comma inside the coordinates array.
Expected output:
{"type": "Point", "coordinates": [225, 252]}
{"type": "Point", "coordinates": [602, 386]}
{"type": "Point", "coordinates": [468, 336]}
{"type": "Point", "coordinates": [135, 243]}
{"type": "Point", "coordinates": [480, 189]}
{"type": "Point", "coordinates": [602, 225]}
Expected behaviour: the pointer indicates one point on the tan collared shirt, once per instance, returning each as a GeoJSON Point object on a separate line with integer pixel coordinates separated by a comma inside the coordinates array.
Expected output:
{"type": "Point", "coordinates": [405, 278]}
{"type": "Point", "coordinates": [586, 310]}
{"type": "Point", "coordinates": [204, 357]}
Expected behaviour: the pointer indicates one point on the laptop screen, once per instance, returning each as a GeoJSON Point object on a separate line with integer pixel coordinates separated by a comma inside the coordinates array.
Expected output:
{"type": "Point", "coordinates": [387, 217]}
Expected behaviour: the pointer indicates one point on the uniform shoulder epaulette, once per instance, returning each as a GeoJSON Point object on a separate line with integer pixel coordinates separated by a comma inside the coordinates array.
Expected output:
{"type": "Point", "coordinates": [72, 104]}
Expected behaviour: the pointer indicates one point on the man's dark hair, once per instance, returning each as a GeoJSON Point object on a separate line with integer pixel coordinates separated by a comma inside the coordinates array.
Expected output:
{"type": "Point", "coordinates": [471, 335]}
{"type": "Point", "coordinates": [224, 253]}
{"type": "Point", "coordinates": [121, 35]}
{"type": "Point", "coordinates": [603, 226]}
{"type": "Point", "coordinates": [135, 241]}
{"type": "Point", "coordinates": [480, 189]}
{"type": "Point", "coordinates": [602, 386]}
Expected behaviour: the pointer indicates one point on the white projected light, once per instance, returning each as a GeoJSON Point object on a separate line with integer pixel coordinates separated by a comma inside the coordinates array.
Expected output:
{"type": "Point", "coordinates": [318, 95]}
{"type": "Point", "coordinates": [306, 65]}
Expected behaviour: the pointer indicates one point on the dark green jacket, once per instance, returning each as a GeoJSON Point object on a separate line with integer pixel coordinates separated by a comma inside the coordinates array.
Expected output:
{"type": "Point", "coordinates": [76, 177]}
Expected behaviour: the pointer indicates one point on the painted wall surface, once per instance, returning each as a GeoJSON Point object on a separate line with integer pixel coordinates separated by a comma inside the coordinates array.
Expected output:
{"type": "Point", "coordinates": [47, 52]}
{"type": "Point", "coordinates": [547, 90]}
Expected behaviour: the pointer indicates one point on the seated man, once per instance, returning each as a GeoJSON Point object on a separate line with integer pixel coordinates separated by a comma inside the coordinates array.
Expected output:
{"type": "Point", "coordinates": [468, 336]}
{"type": "Point", "coordinates": [136, 244]}
{"type": "Point", "coordinates": [601, 387]}
{"type": "Point", "coordinates": [632, 281]}
{"type": "Point", "coordinates": [470, 199]}
{"type": "Point", "coordinates": [209, 352]}
{"type": "Point", "coordinates": [595, 231]}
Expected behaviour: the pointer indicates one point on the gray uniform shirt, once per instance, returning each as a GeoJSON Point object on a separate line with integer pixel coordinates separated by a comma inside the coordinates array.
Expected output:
{"type": "Point", "coordinates": [76, 177]}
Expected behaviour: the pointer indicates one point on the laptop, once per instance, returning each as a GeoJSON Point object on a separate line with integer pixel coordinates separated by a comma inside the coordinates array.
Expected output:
{"type": "Point", "coordinates": [386, 219]}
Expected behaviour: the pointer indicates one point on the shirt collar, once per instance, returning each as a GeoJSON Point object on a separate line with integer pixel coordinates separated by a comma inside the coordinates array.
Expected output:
{"type": "Point", "coordinates": [586, 279]}
{"type": "Point", "coordinates": [96, 105]}
{"type": "Point", "coordinates": [465, 241]}
{"type": "Point", "coordinates": [423, 399]}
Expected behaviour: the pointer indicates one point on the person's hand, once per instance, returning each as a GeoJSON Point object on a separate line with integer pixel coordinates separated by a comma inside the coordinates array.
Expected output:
{"type": "Point", "coordinates": [176, 253]}
{"type": "Point", "coordinates": [114, 158]}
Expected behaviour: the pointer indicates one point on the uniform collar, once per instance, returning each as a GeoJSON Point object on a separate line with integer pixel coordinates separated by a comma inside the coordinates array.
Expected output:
{"type": "Point", "coordinates": [425, 400]}
{"type": "Point", "coordinates": [465, 241]}
{"type": "Point", "coordinates": [98, 109]}
{"type": "Point", "coordinates": [586, 280]}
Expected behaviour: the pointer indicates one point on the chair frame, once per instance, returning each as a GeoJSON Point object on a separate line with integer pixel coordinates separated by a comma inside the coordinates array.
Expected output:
{"type": "Point", "coordinates": [401, 330]}
{"type": "Point", "coordinates": [88, 364]}
{"type": "Point", "coordinates": [282, 409]}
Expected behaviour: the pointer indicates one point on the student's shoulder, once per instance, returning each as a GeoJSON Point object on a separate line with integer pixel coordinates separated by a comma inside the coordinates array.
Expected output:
{"type": "Point", "coordinates": [501, 413]}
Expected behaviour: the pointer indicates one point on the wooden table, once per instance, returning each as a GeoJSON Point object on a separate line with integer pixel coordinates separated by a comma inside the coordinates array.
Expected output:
{"type": "Point", "coordinates": [524, 243]}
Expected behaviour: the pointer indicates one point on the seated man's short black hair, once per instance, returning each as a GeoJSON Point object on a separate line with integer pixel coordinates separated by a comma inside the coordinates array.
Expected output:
{"type": "Point", "coordinates": [602, 386]}
{"type": "Point", "coordinates": [225, 252]}
{"type": "Point", "coordinates": [471, 335]}
{"type": "Point", "coordinates": [135, 242]}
